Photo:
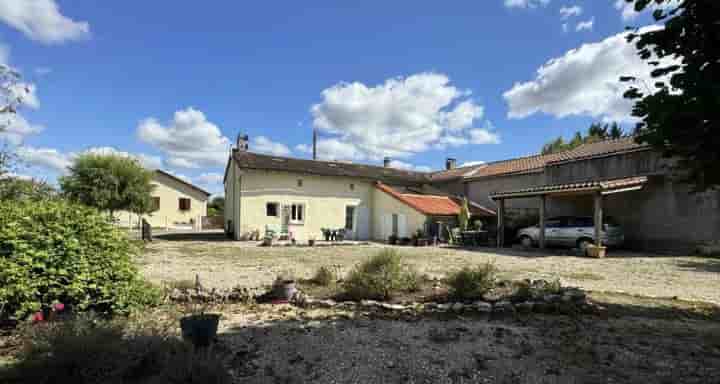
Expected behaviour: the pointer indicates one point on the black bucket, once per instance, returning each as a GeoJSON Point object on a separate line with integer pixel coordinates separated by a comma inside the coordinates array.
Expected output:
{"type": "Point", "coordinates": [200, 330]}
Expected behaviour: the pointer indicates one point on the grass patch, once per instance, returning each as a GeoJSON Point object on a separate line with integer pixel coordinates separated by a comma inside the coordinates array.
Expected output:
{"type": "Point", "coordinates": [325, 276]}
{"type": "Point", "coordinates": [380, 277]}
{"type": "Point", "coordinates": [623, 304]}
{"type": "Point", "coordinates": [471, 283]}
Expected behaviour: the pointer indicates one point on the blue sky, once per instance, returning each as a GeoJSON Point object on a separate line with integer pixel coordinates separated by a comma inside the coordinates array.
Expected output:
{"type": "Point", "coordinates": [173, 82]}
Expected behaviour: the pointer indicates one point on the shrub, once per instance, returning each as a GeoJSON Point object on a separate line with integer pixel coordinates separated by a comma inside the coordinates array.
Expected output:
{"type": "Point", "coordinates": [380, 277]}
{"type": "Point", "coordinates": [89, 350]}
{"type": "Point", "coordinates": [56, 251]}
{"type": "Point", "coordinates": [471, 283]}
{"type": "Point", "coordinates": [325, 276]}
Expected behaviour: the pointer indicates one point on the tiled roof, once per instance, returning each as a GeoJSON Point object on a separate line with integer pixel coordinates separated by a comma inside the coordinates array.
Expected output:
{"type": "Point", "coordinates": [436, 205]}
{"type": "Point", "coordinates": [327, 168]}
{"type": "Point", "coordinates": [586, 186]}
{"type": "Point", "coordinates": [537, 162]}
{"type": "Point", "coordinates": [181, 181]}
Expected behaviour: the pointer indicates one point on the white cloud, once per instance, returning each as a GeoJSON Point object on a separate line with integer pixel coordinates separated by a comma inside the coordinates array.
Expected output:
{"type": "Point", "coordinates": [526, 3]}
{"type": "Point", "coordinates": [567, 12]}
{"type": "Point", "coordinates": [264, 145]}
{"type": "Point", "coordinates": [409, 167]}
{"type": "Point", "coordinates": [16, 128]}
{"type": "Point", "coordinates": [47, 158]}
{"type": "Point", "coordinates": [585, 81]}
{"type": "Point", "coordinates": [189, 140]}
{"type": "Point", "coordinates": [399, 118]}
{"type": "Point", "coordinates": [585, 25]}
{"type": "Point", "coordinates": [147, 161]}
{"type": "Point", "coordinates": [42, 21]}
{"type": "Point", "coordinates": [483, 136]}
{"type": "Point", "coordinates": [627, 10]}
{"type": "Point", "coordinates": [209, 178]}
{"type": "Point", "coordinates": [333, 149]}
{"type": "Point", "coordinates": [472, 163]}
{"type": "Point", "coordinates": [565, 27]}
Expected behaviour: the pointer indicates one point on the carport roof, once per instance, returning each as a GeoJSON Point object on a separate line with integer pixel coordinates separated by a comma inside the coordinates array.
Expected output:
{"type": "Point", "coordinates": [602, 186]}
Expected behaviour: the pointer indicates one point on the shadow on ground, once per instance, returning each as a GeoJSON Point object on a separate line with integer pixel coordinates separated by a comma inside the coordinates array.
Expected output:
{"type": "Point", "coordinates": [209, 236]}
{"type": "Point", "coordinates": [704, 265]}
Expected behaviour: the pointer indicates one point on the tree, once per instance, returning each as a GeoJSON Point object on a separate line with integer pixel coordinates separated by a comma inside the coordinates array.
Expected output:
{"type": "Point", "coordinates": [14, 188]}
{"type": "Point", "coordinates": [596, 132]}
{"type": "Point", "coordinates": [110, 183]}
{"type": "Point", "coordinates": [216, 206]}
{"type": "Point", "coordinates": [12, 93]}
{"type": "Point", "coordinates": [681, 116]}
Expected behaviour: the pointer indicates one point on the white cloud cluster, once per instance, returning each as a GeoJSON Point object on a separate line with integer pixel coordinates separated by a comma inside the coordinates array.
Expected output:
{"type": "Point", "coordinates": [409, 167]}
{"type": "Point", "coordinates": [41, 20]}
{"type": "Point", "coordinates": [568, 12]}
{"type": "Point", "coordinates": [472, 163]}
{"type": "Point", "coordinates": [627, 10]}
{"type": "Point", "coordinates": [526, 3]}
{"type": "Point", "coordinates": [585, 81]}
{"type": "Point", "coordinates": [399, 118]}
{"type": "Point", "coordinates": [16, 128]}
{"type": "Point", "coordinates": [47, 158]}
{"type": "Point", "coordinates": [262, 144]}
{"type": "Point", "coordinates": [585, 25]}
{"type": "Point", "coordinates": [188, 141]}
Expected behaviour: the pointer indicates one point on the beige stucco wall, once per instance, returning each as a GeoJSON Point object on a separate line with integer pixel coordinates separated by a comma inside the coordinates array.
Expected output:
{"type": "Point", "coordinates": [325, 199]}
{"type": "Point", "coordinates": [170, 191]}
{"type": "Point", "coordinates": [385, 204]}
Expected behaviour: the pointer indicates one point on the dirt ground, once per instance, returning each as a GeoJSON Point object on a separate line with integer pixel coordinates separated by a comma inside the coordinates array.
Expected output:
{"type": "Point", "coordinates": [223, 264]}
{"type": "Point", "coordinates": [282, 344]}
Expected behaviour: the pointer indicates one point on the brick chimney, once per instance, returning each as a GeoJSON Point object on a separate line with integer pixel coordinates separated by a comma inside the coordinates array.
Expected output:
{"type": "Point", "coordinates": [386, 162]}
{"type": "Point", "coordinates": [450, 163]}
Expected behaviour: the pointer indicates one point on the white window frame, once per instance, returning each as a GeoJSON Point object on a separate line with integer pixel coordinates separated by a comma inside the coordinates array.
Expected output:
{"type": "Point", "coordinates": [303, 210]}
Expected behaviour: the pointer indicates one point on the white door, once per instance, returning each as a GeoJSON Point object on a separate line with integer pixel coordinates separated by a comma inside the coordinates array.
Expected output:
{"type": "Point", "coordinates": [362, 231]}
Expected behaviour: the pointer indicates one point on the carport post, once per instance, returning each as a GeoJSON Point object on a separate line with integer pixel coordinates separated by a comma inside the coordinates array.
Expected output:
{"type": "Point", "coordinates": [501, 223]}
{"type": "Point", "coordinates": [598, 218]}
{"type": "Point", "coordinates": [541, 235]}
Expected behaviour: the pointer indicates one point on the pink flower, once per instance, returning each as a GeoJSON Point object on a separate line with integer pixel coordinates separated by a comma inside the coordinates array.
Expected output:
{"type": "Point", "coordinates": [38, 317]}
{"type": "Point", "coordinates": [58, 307]}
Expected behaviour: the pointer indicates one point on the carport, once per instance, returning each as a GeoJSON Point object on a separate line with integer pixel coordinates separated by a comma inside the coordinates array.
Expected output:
{"type": "Point", "coordinates": [596, 188]}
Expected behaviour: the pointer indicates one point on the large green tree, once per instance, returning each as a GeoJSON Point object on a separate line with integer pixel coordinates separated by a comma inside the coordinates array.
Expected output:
{"type": "Point", "coordinates": [596, 132]}
{"type": "Point", "coordinates": [109, 182]}
{"type": "Point", "coordinates": [216, 207]}
{"type": "Point", "coordinates": [680, 113]}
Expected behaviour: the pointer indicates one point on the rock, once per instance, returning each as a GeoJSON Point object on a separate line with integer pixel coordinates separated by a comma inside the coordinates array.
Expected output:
{"type": "Point", "coordinates": [326, 303]}
{"type": "Point", "coordinates": [566, 298]}
{"type": "Point", "coordinates": [392, 307]}
{"type": "Point", "coordinates": [458, 307]}
{"type": "Point", "coordinates": [482, 306]}
{"type": "Point", "coordinates": [369, 303]}
{"type": "Point", "coordinates": [551, 298]}
{"type": "Point", "coordinates": [503, 307]}
{"type": "Point", "coordinates": [525, 307]}
{"type": "Point", "coordinates": [444, 307]}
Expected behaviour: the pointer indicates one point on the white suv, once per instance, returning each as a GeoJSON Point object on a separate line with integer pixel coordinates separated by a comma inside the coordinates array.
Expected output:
{"type": "Point", "coordinates": [572, 231]}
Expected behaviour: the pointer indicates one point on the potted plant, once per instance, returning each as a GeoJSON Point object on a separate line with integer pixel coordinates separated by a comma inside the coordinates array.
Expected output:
{"type": "Point", "coordinates": [284, 286]}
{"type": "Point", "coordinates": [200, 328]}
{"type": "Point", "coordinates": [393, 239]}
{"type": "Point", "coordinates": [593, 250]}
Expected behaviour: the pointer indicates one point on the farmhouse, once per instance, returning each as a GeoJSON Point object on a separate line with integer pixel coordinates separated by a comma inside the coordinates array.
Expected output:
{"type": "Point", "coordinates": [176, 204]}
{"type": "Point", "coordinates": [618, 178]}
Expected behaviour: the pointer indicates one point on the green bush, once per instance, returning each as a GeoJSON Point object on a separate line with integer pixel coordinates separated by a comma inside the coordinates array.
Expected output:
{"type": "Point", "coordinates": [380, 277]}
{"type": "Point", "coordinates": [324, 276]}
{"type": "Point", "coordinates": [471, 283]}
{"type": "Point", "coordinates": [55, 251]}
{"type": "Point", "coordinates": [90, 350]}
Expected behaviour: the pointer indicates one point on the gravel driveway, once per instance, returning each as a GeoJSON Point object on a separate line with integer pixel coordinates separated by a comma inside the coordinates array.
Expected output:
{"type": "Point", "coordinates": [224, 264]}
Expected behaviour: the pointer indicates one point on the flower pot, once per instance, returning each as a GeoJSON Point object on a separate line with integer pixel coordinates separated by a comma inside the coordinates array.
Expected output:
{"type": "Point", "coordinates": [311, 242]}
{"type": "Point", "coordinates": [200, 330]}
{"type": "Point", "coordinates": [595, 251]}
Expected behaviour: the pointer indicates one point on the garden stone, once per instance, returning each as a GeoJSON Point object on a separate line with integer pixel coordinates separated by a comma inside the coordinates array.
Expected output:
{"type": "Point", "coordinates": [503, 307]}
{"type": "Point", "coordinates": [552, 298]}
{"type": "Point", "coordinates": [444, 307]}
{"type": "Point", "coordinates": [525, 307]}
{"type": "Point", "coordinates": [483, 307]}
{"type": "Point", "coordinates": [458, 307]}
{"type": "Point", "coordinates": [392, 307]}
{"type": "Point", "coordinates": [369, 303]}
{"type": "Point", "coordinates": [326, 303]}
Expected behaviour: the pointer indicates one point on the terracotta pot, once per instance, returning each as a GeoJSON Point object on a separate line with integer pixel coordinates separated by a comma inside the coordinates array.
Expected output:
{"type": "Point", "coordinates": [200, 330]}
{"type": "Point", "coordinates": [597, 252]}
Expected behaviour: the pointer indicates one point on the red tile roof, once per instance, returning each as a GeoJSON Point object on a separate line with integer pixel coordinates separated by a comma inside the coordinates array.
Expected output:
{"type": "Point", "coordinates": [436, 205]}
{"type": "Point", "coordinates": [536, 163]}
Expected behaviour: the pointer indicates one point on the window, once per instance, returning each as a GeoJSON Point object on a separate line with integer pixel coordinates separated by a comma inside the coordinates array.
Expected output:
{"type": "Point", "coordinates": [184, 203]}
{"type": "Point", "coordinates": [349, 217]}
{"type": "Point", "coordinates": [352, 187]}
{"type": "Point", "coordinates": [154, 204]}
{"type": "Point", "coordinates": [271, 209]}
{"type": "Point", "coordinates": [395, 224]}
{"type": "Point", "coordinates": [297, 213]}
{"type": "Point", "coordinates": [299, 183]}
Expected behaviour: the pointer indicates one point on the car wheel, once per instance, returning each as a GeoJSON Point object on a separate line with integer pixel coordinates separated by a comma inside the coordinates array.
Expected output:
{"type": "Point", "coordinates": [526, 242]}
{"type": "Point", "coordinates": [583, 245]}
